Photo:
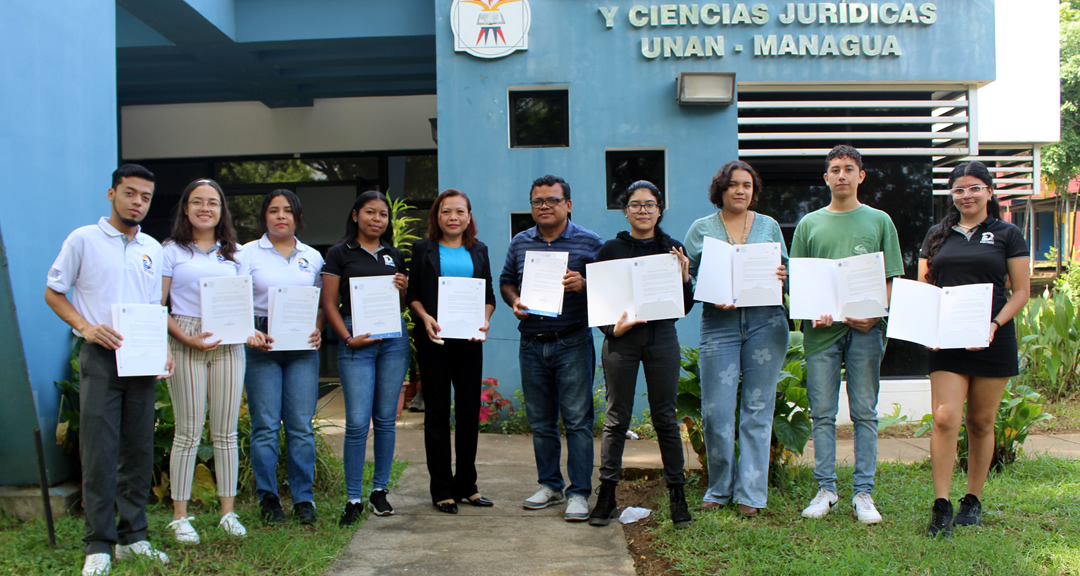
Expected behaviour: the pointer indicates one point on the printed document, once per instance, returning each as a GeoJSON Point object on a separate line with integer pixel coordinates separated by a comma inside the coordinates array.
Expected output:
{"type": "Point", "coordinates": [145, 348]}
{"type": "Point", "coordinates": [461, 307]}
{"type": "Point", "coordinates": [376, 306]}
{"type": "Point", "coordinates": [645, 288]}
{"type": "Point", "coordinates": [951, 317]}
{"type": "Point", "coordinates": [848, 288]}
{"type": "Point", "coordinates": [743, 275]}
{"type": "Point", "coordinates": [293, 314]}
{"type": "Point", "coordinates": [227, 310]}
{"type": "Point", "coordinates": [541, 282]}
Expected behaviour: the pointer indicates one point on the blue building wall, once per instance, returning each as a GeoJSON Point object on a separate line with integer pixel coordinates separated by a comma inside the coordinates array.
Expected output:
{"type": "Point", "coordinates": [58, 147]}
{"type": "Point", "coordinates": [621, 98]}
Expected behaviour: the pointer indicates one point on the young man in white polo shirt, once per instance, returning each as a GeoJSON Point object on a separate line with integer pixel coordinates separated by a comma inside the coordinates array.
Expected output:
{"type": "Point", "coordinates": [98, 266]}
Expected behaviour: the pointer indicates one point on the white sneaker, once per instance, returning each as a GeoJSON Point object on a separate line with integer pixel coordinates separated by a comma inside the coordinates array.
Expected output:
{"type": "Point", "coordinates": [141, 548]}
{"type": "Point", "coordinates": [821, 504]}
{"type": "Point", "coordinates": [230, 523]}
{"type": "Point", "coordinates": [183, 531]}
{"type": "Point", "coordinates": [577, 510]}
{"type": "Point", "coordinates": [543, 498]}
{"type": "Point", "coordinates": [864, 508]}
{"type": "Point", "coordinates": [97, 565]}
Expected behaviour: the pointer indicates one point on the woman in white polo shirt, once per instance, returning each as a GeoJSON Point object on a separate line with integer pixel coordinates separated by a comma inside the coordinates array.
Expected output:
{"type": "Point", "coordinates": [203, 245]}
{"type": "Point", "coordinates": [282, 386]}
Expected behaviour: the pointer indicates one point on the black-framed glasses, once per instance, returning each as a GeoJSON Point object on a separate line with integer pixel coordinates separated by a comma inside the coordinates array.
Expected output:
{"type": "Point", "coordinates": [648, 207]}
{"type": "Point", "coordinates": [553, 202]}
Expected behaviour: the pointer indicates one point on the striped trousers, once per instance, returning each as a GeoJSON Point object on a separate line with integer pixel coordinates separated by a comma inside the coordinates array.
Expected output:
{"type": "Point", "coordinates": [217, 375]}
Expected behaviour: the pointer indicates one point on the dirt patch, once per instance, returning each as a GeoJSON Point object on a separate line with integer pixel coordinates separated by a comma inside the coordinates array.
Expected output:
{"type": "Point", "coordinates": [644, 489]}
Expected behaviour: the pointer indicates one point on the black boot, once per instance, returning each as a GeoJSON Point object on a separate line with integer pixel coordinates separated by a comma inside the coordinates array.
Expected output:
{"type": "Point", "coordinates": [680, 514]}
{"type": "Point", "coordinates": [941, 519]}
{"type": "Point", "coordinates": [970, 513]}
{"type": "Point", "coordinates": [606, 507]}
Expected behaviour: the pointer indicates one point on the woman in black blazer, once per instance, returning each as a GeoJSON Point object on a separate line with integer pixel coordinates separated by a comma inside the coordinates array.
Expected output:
{"type": "Point", "coordinates": [451, 249]}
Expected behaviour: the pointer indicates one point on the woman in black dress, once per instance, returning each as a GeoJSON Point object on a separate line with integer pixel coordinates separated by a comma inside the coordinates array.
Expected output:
{"type": "Point", "coordinates": [971, 245]}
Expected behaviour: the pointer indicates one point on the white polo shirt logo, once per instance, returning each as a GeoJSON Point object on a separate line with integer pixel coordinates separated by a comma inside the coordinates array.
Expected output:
{"type": "Point", "coordinates": [304, 265]}
{"type": "Point", "coordinates": [148, 264]}
{"type": "Point", "coordinates": [220, 258]}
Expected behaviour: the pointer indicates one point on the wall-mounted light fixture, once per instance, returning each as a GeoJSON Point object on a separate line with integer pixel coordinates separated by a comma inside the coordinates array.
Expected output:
{"type": "Point", "coordinates": [706, 88]}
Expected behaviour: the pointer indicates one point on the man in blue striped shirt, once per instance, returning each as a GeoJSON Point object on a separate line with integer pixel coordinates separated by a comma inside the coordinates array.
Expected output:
{"type": "Point", "coordinates": [556, 355]}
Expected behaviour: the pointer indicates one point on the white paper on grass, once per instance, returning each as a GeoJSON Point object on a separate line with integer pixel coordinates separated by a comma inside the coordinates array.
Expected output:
{"type": "Point", "coordinates": [462, 303]}
{"type": "Point", "coordinates": [376, 306]}
{"type": "Point", "coordinates": [227, 309]}
{"type": "Point", "coordinates": [541, 282]}
{"type": "Point", "coordinates": [144, 351]}
{"type": "Point", "coordinates": [645, 288]}
{"type": "Point", "coordinates": [743, 275]}
{"type": "Point", "coordinates": [293, 314]}
{"type": "Point", "coordinates": [848, 288]}
{"type": "Point", "coordinates": [952, 317]}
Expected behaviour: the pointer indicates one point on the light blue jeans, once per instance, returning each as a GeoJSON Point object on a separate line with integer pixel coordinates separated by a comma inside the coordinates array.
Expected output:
{"type": "Point", "coordinates": [371, 378]}
{"type": "Point", "coordinates": [556, 379]}
{"type": "Point", "coordinates": [751, 343]}
{"type": "Point", "coordinates": [860, 354]}
{"type": "Point", "coordinates": [282, 387]}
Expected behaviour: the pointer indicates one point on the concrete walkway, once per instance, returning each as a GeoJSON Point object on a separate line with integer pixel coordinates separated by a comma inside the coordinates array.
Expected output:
{"type": "Point", "coordinates": [507, 539]}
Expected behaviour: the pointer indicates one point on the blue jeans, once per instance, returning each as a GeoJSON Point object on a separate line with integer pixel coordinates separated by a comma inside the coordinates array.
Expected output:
{"type": "Point", "coordinates": [860, 354]}
{"type": "Point", "coordinates": [556, 378]}
{"type": "Point", "coordinates": [282, 387]}
{"type": "Point", "coordinates": [371, 378]}
{"type": "Point", "coordinates": [751, 343]}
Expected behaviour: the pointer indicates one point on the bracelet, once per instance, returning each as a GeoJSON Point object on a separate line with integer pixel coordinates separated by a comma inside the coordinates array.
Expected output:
{"type": "Point", "coordinates": [995, 322]}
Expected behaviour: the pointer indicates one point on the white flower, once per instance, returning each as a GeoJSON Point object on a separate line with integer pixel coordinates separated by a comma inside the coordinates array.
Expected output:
{"type": "Point", "coordinates": [762, 355]}
{"type": "Point", "coordinates": [730, 377]}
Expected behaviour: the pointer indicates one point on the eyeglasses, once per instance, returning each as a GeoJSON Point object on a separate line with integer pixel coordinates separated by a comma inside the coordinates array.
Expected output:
{"type": "Point", "coordinates": [976, 189]}
{"type": "Point", "coordinates": [199, 203]}
{"type": "Point", "coordinates": [648, 207]}
{"type": "Point", "coordinates": [553, 202]}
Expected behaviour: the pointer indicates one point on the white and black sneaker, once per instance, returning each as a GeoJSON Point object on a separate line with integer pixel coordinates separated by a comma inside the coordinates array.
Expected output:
{"type": "Point", "coordinates": [543, 498]}
{"type": "Point", "coordinates": [821, 505]}
{"type": "Point", "coordinates": [378, 503]}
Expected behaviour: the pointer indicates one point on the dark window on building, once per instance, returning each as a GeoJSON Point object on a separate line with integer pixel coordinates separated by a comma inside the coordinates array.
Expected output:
{"type": "Point", "coordinates": [624, 167]}
{"type": "Point", "coordinates": [520, 222]}
{"type": "Point", "coordinates": [539, 118]}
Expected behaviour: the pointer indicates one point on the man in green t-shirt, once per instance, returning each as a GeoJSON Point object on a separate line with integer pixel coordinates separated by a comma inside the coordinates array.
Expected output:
{"type": "Point", "coordinates": [845, 228]}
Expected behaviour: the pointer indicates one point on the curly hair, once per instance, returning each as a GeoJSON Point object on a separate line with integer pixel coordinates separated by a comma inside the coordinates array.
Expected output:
{"type": "Point", "coordinates": [722, 179]}
{"type": "Point", "coordinates": [940, 231]}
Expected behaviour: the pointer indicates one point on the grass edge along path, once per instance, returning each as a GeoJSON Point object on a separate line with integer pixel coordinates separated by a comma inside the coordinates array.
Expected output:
{"type": "Point", "coordinates": [1031, 525]}
{"type": "Point", "coordinates": [290, 548]}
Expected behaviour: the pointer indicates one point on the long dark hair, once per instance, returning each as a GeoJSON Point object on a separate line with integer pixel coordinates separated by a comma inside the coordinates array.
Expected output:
{"type": "Point", "coordinates": [294, 205]}
{"type": "Point", "coordinates": [940, 232]}
{"type": "Point", "coordinates": [722, 179]}
{"type": "Point", "coordinates": [224, 232]}
{"type": "Point", "coordinates": [468, 237]}
{"type": "Point", "coordinates": [352, 229]}
{"type": "Point", "coordinates": [624, 198]}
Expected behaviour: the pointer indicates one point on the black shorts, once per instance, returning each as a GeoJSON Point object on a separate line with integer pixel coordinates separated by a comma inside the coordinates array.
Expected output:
{"type": "Point", "coordinates": [999, 360]}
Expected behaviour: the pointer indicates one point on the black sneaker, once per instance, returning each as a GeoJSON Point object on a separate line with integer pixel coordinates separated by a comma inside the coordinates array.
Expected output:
{"type": "Point", "coordinates": [270, 510]}
{"type": "Point", "coordinates": [379, 505]}
{"type": "Point", "coordinates": [351, 515]}
{"type": "Point", "coordinates": [680, 513]}
{"type": "Point", "coordinates": [970, 513]}
{"type": "Point", "coordinates": [606, 507]}
{"type": "Point", "coordinates": [305, 512]}
{"type": "Point", "coordinates": [941, 519]}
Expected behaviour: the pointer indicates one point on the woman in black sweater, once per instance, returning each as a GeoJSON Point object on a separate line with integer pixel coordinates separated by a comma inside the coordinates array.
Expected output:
{"type": "Point", "coordinates": [653, 344]}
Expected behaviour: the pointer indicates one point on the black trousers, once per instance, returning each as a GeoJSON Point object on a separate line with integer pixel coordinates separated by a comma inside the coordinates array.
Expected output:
{"type": "Point", "coordinates": [116, 443]}
{"type": "Point", "coordinates": [656, 347]}
{"type": "Point", "coordinates": [457, 363]}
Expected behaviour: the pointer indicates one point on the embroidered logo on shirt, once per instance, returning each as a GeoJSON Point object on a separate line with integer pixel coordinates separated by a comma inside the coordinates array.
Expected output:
{"type": "Point", "coordinates": [388, 260]}
{"type": "Point", "coordinates": [55, 274]}
{"type": "Point", "coordinates": [860, 249]}
{"type": "Point", "coordinates": [220, 258]}
{"type": "Point", "coordinates": [147, 264]}
{"type": "Point", "coordinates": [987, 238]}
{"type": "Point", "coordinates": [303, 264]}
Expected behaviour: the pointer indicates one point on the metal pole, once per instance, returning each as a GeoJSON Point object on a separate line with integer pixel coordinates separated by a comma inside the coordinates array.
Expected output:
{"type": "Point", "coordinates": [43, 479]}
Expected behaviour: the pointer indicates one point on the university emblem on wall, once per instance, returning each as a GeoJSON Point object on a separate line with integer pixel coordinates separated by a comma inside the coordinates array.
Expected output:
{"type": "Point", "coordinates": [490, 28]}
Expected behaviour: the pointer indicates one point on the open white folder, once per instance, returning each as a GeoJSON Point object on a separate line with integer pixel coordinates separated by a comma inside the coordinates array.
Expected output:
{"type": "Point", "coordinates": [951, 317]}
{"type": "Point", "coordinates": [645, 288]}
{"type": "Point", "coordinates": [743, 275]}
{"type": "Point", "coordinates": [847, 288]}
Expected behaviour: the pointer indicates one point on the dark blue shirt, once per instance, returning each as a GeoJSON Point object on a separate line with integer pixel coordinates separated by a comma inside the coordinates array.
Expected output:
{"type": "Point", "coordinates": [582, 244]}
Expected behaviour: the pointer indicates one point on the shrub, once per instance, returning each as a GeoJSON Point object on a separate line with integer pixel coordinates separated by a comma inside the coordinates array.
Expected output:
{"type": "Point", "coordinates": [1048, 333]}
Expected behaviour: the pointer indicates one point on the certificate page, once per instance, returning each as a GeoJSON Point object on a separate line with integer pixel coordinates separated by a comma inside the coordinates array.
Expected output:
{"type": "Point", "coordinates": [610, 291]}
{"type": "Point", "coordinates": [914, 312]}
{"type": "Point", "coordinates": [293, 312]}
{"type": "Point", "coordinates": [714, 272]}
{"type": "Point", "coordinates": [145, 349]}
{"type": "Point", "coordinates": [657, 286]}
{"type": "Point", "coordinates": [862, 286]}
{"type": "Point", "coordinates": [753, 277]}
{"type": "Point", "coordinates": [813, 288]}
{"type": "Point", "coordinates": [227, 310]}
{"type": "Point", "coordinates": [541, 282]}
{"type": "Point", "coordinates": [965, 316]}
{"type": "Point", "coordinates": [376, 306]}
{"type": "Point", "coordinates": [461, 307]}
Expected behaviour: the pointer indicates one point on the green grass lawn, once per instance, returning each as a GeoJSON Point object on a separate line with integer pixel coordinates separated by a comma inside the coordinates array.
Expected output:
{"type": "Point", "coordinates": [281, 549]}
{"type": "Point", "coordinates": [1031, 525]}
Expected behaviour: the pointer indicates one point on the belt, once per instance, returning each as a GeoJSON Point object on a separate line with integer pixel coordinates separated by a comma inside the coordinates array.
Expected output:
{"type": "Point", "coordinates": [553, 336]}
